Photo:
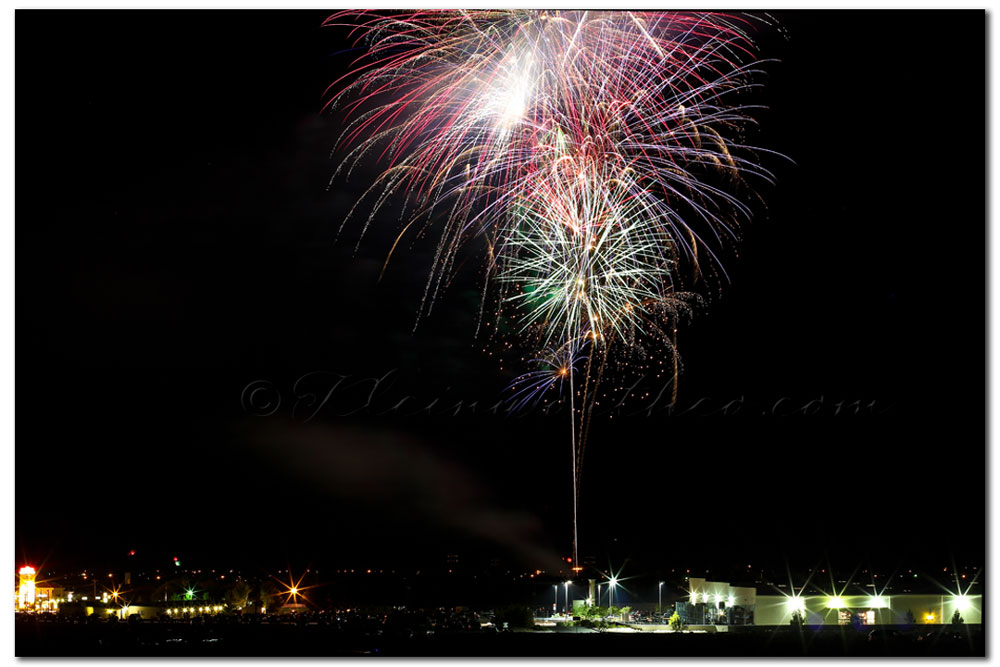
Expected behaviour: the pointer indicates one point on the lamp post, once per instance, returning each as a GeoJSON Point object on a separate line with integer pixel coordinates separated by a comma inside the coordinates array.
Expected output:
{"type": "Point", "coordinates": [566, 586]}
{"type": "Point", "coordinates": [611, 591]}
{"type": "Point", "coordinates": [555, 598]}
{"type": "Point", "coordinates": [659, 603]}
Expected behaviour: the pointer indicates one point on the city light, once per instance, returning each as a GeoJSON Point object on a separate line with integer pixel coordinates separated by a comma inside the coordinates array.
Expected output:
{"type": "Point", "coordinates": [26, 587]}
{"type": "Point", "coordinates": [962, 602]}
{"type": "Point", "coordinates": [835, 602]}
{"type": "Point", "coordinates": [293, 588]}
{"type": "Point", "coordinates": [796, 603]}
{"type": "Point", "coordinates": [877, 602]}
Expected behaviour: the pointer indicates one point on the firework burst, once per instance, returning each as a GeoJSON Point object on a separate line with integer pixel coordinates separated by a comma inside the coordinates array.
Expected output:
{"type": "Point", "coordinates": [599, 154]}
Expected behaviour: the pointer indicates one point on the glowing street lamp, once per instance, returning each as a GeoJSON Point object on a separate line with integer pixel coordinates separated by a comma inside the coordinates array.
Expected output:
{"type": "Point", "coordinates": [796, 603]}
{"type": "Point", "coordinates": [659, 603]}
{"type": "Point", "coordinates": [294, 588]}
{"type": "Point", "coordinates": [611, 595]}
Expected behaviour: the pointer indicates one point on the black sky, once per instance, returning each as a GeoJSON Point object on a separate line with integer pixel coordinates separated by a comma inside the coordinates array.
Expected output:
{"type": "Point", "coordinates": [175, 242]}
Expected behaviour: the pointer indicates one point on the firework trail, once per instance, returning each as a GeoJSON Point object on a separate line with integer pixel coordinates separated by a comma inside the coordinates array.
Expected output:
{"type": "Point", "coordinates": [599, 154]}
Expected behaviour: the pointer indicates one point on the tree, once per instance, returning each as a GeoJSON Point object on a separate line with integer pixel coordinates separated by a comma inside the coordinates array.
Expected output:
{"type": "Point", "coordinates": [594, 613]}
{"type": "Point", "coordinates": [677, 624]}
{"type": "Point", "coordinates": [269, 597]}
{"type": "Point", "coordinates": [798, 619]}
{"type": "Point", "coordinates": [514, 616]}
{"type": "Point", "coordinates": [171, 589]}
{"type": "Point", "coordinates": [909, 619]}
{"type": "Point", "coordinates": [957, 619]}
{"type": "Point", "coordinates": [160, 593]}
{"type": "Point", "coordinates": [593, 617]}
{"type": "Point", "coordinates": [238, 595]}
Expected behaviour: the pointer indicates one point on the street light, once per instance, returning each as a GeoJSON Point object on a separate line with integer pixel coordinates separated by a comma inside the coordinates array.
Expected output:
{"type": "Point", "coordinates": [659, 604]}
{"type": "Point", "coordinates": [566, 586]}
{"type": "Point", "coordinates": [555, 598]}
{"type": "Point", "coordinates": [611, 593]}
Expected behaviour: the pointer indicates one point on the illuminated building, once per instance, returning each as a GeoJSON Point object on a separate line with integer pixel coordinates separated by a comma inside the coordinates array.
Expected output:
{"type": "Point", "coordinates": [718, 603]}
{"type": "Point", "coordinates": [870, 609]}
{"type": "Point", "coordinates": [26, 588]}
{"type": "Point", "coordinates": [35, 596]}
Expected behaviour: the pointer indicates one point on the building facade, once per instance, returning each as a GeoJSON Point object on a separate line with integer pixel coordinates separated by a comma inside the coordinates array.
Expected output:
{"type": "Point", "coordinates": [905, 609]}
{"type": "Point", "coordinates": [718, 603]}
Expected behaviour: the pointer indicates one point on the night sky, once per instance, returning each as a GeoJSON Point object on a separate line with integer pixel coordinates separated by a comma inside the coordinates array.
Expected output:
{"type": "Point", "coordinates": [176, 242]}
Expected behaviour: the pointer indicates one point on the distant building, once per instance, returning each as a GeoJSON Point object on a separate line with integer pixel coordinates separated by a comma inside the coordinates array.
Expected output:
{"type": "Point", "coordinates": [32, 595]}
{"type": "Point", "coordinates": [900, 609]}
{"type": "Point", "coordinates": [25, 594]}
{"type": "Point", "coordinates": [718, 603]}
